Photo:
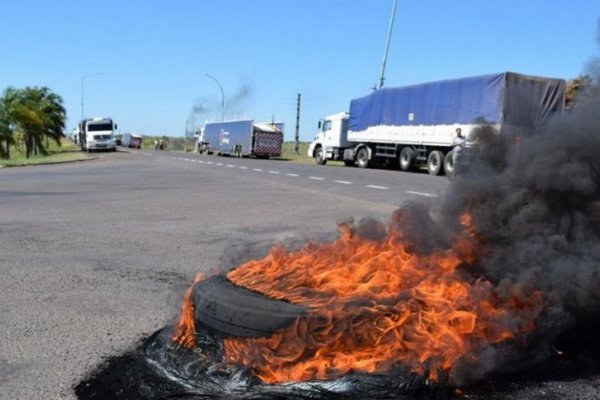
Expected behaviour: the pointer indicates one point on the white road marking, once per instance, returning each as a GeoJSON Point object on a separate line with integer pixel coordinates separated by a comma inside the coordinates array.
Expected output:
{"type": "Point", "coordinates": [230, 166]}
{"type": "Point", "coordinates": [273, 172]}
{"type": "Point", "coordinates": [257, 169]}
{"type": "Point", "coordinates": [378, 187]}
{"type": "Point", "coordinates": [316, 178]}
{"type": "Point", "coordinates": [242, 167]}
{"type": "Point", "coordinates": [219, 164]}
{"type": "Point", "coordinates": [209, 162]}
{"type": "Point", "coordinates": [344, 182]}
{"type": "Point", "coordinates": [292, 175]}
{"type": "Point", "coordinates": [421, 193]}
{"type": "Point", "coordinates": [200, 162]}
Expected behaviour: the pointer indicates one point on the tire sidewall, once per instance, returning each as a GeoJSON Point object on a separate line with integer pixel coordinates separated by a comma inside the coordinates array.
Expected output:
{"type": "Point", "coordinates": [407, 159]}
{"type": "Point", "coordinates": [362, 158]}
{"type": "Point", "coordinates": [435, 162]}
{"type": "Point", "coordinates": [319, 157]}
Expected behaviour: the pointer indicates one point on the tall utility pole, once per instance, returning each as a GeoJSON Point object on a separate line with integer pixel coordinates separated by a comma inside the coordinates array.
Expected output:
{"type": "Point", "coordinates": [297, 137]}
{"type": "Point", "coordinates": [387, 45]}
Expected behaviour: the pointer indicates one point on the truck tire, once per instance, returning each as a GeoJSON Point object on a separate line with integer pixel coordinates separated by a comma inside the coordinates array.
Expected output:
{"type": "Point", "coordinates": [237, 311]}
{"type": "Point", "coordinates": [320, 156]}
{"type": "Point", "coordinates": [362, 158]}
{"type": "Point", "coordinates": [435, 162]}
{"type": "Point", "coordinates": [407, 159]}
{"type": "Point", "coordinates": [449, 164]}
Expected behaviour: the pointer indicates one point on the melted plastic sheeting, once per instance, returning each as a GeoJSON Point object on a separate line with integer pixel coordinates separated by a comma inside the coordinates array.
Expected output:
{"type": "Point", "coordinates": [158, 369]}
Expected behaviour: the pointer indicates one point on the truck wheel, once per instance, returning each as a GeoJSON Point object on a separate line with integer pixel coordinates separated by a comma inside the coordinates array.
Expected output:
{"type": "Point", "coordinates": [435, 162]}
{"type": "Point", "coordinates": [320, 157]}
{"type": "Point", "coordinates": [362, 158]}
{"type": "Point", "coordinates": [449, 164]}
{"type": "Point", "coordinates": [407, 159]}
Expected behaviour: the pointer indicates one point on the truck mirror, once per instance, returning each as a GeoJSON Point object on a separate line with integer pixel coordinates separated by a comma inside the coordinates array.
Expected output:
{"type": "Point", "coordinates": [116, 127]}
{"type": "Point", "coordinates": [319, 125]}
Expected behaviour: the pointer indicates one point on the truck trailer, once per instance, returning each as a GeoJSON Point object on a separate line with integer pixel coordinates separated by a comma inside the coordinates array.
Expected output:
{"type": "Point", "coordinates": [132, 140]}
{"type": "Point", "coordinates": [241, 138]}
{"type": "Point", "coordinates": [414, 126]}
{"type": "Point", "coordinates": [97, 134]}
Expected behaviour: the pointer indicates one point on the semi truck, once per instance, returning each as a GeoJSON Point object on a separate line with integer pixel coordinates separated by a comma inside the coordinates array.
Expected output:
{"type": "Point", "coordinates": [414, 126]}
{"type": "Point", "coordinates": [97, 134]}
{"type": "Point", "coordinates": [241, 138]}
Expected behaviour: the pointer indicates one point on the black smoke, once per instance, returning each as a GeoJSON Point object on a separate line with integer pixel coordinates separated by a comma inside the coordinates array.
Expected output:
{"type": "Point", "coordinates": [205, 108]}
{"type": "Point", "coordinates": [535, 207]}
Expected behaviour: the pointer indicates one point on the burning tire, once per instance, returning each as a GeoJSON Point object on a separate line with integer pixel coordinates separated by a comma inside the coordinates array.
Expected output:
{"type": "Point", "coordinates": [237, 311]}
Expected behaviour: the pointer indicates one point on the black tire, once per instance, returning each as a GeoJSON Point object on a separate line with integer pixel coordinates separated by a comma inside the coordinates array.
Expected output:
{"type": "Point", "coordinates": [449, 163]}
{"type": "Point", "coordinates": [237, 311]}
{"type": "Point", "coordinates": [406, 160]}
{"type": "Point", "coordinates": [362, 158]}
{"type": "Point", "coordinates": [319, 156]}
{"type": "Point", "coordinates": [349, 163]}
{"type": "Point", "coordinates": [435, 162]}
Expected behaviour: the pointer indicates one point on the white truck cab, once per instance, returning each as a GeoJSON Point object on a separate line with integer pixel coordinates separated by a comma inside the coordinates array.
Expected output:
{"type": "Point", "coordinates": [97, 134]}
{"type": "Point", "coordinates": [331, 140]}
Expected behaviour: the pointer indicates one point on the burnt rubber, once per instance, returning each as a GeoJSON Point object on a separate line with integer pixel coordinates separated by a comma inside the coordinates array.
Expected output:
{"type": "Point", "coordinates": [236, 311]}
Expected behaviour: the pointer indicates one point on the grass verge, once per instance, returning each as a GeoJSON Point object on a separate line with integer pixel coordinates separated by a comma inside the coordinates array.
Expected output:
{"type": "Point", "coordinates": [56, 154]}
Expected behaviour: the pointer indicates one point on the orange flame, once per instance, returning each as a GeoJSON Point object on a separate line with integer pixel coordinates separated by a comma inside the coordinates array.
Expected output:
{"type": "Point", "coordinates": [185, 331]}
{"type": "Point", "coordinates": [374, 307]}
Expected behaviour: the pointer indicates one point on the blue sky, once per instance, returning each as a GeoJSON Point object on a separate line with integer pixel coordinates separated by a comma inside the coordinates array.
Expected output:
{"type": "Point", "coordinates": [155, 54]}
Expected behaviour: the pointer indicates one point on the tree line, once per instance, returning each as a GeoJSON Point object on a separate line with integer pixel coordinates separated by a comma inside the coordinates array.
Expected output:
{"type": "Point", "coordinates": [29, 118]}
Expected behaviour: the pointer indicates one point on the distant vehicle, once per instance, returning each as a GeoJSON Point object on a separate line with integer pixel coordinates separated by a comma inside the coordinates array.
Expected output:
{"type": "Point", "coordinates": [241, 138]}
{"type": "Point", "coordinates": [414, 126]}
{"type": "Point", "coordinates": [97, 134]}
{"type": "Point", "coordinates": [131, 140]}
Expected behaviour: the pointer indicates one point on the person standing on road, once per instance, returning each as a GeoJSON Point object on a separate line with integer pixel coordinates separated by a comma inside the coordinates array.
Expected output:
{"type": "Point", "coordinates": [459, 140]}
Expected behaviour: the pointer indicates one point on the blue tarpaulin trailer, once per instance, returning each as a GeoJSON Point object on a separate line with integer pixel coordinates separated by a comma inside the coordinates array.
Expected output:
{"type": "Point", "coordinates": [418, 125]}
{"type": "Point", "coordinates": [243, 138]}
{"type": "Point", "coordinates": [515, 102]}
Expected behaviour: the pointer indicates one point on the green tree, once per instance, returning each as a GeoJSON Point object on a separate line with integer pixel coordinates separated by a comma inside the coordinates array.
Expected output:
{"type": "Point", "coordinates": [6, 134]}
{"type": "Point", "coordinates": [36, 113]}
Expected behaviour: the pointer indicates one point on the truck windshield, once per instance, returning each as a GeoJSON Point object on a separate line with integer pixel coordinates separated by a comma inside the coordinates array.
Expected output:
{"type": "Point", "coordinates": [105, 126]}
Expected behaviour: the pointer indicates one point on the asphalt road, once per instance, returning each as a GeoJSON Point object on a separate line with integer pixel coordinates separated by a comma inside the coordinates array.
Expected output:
{"type": "Point", "coordinates": [94, 255]}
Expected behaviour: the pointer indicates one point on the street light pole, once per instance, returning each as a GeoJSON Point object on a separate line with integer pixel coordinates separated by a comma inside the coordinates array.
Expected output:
{"type": "Point", "coordinates": [82, 79]}
{"type": "Point", "coordinates": [222, 95]}
{"type": "Point", "coordinates": [387, 45]}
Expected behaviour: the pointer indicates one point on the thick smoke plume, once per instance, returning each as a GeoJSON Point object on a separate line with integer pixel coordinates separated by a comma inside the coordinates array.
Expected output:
{"type": "Point", "coordinates": [204, 107]}
{"type": "Point", "coordinates": [535, 208]}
